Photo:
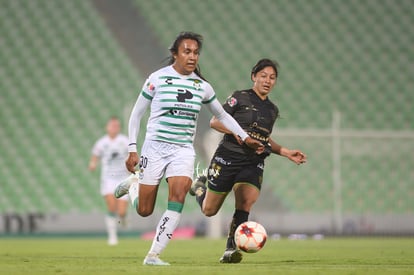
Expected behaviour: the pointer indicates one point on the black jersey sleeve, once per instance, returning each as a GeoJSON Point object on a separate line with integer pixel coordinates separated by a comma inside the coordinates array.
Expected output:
{"type": "Point", "coordinates": [231, 103]}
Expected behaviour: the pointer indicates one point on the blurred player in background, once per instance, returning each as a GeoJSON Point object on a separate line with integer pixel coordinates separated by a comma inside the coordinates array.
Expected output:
{"type": "Point", "coordinates": [112, 150]}
{"type": "Point", "coordinates": [175, 94]}
{"type": "Point", "coordinates": [237, 167]}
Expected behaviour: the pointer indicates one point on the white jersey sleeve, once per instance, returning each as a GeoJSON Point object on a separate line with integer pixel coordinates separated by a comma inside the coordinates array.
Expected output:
{"type": "Point", "coordinates": [141, 105]}
{"type": "Point", "coordinates": [98, 147]}
{"type": "Point", "coordinates": [228, 121]}
{"type": "Point", "coordinates": [135, 122]}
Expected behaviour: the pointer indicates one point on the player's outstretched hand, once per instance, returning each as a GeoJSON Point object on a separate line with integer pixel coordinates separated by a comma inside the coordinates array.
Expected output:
{"type": "Point", "coordinates": [296, 156]}
{"type": "Point", "coordinates": [253, 143]}
{"type": "Point", "coordinates": [131, 162]}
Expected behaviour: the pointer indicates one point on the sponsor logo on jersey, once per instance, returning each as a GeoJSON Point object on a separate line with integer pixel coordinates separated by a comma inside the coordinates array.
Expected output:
{"type": "Point", "coordinates": [150, 86]}
{"type": "Point", "coordinates": [182, 113]}
{"type": "Point", "coordinates": [221, 160]}
{"type": "Point", "coordinates": [183, 95]}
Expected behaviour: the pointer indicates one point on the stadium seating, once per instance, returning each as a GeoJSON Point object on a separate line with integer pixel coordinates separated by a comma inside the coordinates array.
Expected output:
{"type": "Point", "coordinates": [63, 74]}
{"type": "Point", "coordinates": [335, 56]}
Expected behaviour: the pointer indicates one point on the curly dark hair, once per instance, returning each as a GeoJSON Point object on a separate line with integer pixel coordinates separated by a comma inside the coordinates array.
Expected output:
{"type": "Point", "coordinates": [174, 47]}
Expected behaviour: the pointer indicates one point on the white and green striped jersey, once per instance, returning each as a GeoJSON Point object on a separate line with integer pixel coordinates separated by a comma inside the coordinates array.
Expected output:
{"type": "Point", "coordinates": [176, 101]}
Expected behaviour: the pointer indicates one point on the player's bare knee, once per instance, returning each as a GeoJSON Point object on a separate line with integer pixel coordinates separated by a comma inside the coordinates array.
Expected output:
{"type": "Point", "coordinates": [209, 212]}
{"type": "Point", "coordinates": [244, 204]}
{"type": "Point", "coordinates": [144, 212]}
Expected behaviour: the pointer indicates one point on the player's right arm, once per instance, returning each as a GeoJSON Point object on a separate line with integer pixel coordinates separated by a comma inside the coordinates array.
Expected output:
{"type": "Point", "coordinates": [135, 121]}
{"type": "Point", "coordinates": [133, 130]}
{"type": "Point", "coordinates": [132, 161]}
{"type": "Point", "coordinates": [96, 155]}
{"type": "Point", "coordinates": [141, 105]}
{"type": "Point", "coordinates": [93, 163]}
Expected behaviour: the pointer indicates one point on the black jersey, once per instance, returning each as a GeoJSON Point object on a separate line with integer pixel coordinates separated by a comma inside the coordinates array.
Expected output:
{"type": "Point", "coordinates": [255, 116]}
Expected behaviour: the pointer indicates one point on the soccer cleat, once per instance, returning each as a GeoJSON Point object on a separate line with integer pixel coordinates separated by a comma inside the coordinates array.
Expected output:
{"type": "Point", "coordinates": [123, 188]}
{"type": "Point", "coordinates": [112, 241]}
{"type": "Point", "coordinates": [153, 259]}
{"type": "Point", "coordinates": [199, 186]}
{"type": "Point", "coordinates": [232, 256]}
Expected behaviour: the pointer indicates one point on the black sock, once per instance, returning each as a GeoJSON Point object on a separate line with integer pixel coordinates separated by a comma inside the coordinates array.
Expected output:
{"type": "Point", "coordinates": [239, 217]}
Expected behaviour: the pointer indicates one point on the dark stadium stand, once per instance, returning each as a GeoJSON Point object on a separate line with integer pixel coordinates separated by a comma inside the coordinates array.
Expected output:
{"type": "Point", "coordinates": [63, 74]}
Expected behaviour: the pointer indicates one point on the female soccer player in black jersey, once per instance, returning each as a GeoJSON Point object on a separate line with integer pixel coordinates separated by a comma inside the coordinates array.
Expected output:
{"type": "Point", "coordinates": [237, 167]}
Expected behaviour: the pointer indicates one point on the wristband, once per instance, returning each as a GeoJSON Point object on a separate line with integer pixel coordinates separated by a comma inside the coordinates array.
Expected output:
{"type": "Point", "coordinates": [132, 147]}
{"type": "Point", "coordinates": [245, 135]}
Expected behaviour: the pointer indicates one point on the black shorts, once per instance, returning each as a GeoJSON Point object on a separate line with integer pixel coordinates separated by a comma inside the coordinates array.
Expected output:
{"type": "Point", "coordinates": [228, 168]}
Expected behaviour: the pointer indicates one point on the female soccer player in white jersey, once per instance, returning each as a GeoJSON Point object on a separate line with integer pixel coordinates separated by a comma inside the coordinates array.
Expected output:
{"type": "Point", "coordinates": [175, 94]}
{"type": "Point", "coordinates": [112, 150]}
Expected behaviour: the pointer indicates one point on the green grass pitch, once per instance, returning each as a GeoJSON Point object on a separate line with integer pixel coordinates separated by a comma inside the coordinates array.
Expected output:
{"type": "Point", "coordinates": [200, 256]}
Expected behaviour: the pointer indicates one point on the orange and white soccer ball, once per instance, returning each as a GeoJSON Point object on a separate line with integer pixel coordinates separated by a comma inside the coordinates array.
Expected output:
{"type": "Point", "coordinates": [250, 236]}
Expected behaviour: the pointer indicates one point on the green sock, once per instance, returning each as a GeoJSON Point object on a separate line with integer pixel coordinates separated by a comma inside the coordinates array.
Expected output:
{"type": "Point", "coordinates": [135, 203]}
{"type": "Point", "coordinates": [175, 206]}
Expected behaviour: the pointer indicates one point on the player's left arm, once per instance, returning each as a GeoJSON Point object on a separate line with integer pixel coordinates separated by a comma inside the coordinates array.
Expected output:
{"type": "Point", "coordinates": [231, 124]}
{"type": "Point", "coordinates": [218, 126]}
{"type": "Point", "coordinates": [296, 156]}
{"type": "Point", "coordinates": [230, 107]}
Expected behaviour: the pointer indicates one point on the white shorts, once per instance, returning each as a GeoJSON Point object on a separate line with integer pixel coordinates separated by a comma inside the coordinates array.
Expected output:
{"type": "Point", "coordinates": [108, 187]}
{"type": "Point", "coordinates": [159, 159]}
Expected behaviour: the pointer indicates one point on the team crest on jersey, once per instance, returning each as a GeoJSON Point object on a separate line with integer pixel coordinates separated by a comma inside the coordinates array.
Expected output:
{"type": "Point", "coordinates": [231, 101]}
{"type": "Point", "coordinates": [197, 84]}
